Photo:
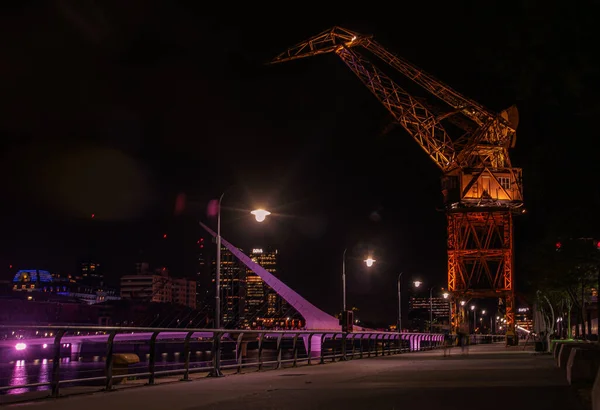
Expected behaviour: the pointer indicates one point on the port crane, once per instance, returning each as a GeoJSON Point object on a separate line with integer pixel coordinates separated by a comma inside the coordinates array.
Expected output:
{"type": "Point", "coordinates": [481, 189]}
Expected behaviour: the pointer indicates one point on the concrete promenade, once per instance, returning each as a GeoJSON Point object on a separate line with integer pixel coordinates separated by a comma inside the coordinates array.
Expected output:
{"type": "Point", "coordinates": [490, 377]}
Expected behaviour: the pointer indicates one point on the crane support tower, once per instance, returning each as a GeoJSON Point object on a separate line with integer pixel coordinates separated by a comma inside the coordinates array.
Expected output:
{"type": "Point", "coordinates": [482, 191]}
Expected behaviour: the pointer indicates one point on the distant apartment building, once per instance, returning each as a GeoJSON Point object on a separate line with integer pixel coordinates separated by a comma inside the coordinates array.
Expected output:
{"type": "Point", "coordinates": [439, 306]}
{"type": "Point", "coordinates": [158, 286]}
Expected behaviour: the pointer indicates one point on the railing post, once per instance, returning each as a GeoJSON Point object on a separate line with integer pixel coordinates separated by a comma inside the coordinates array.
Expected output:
{"type": "Point", "coordinates": [322, 361]}
{"type": "Point", "coordinates": [109, 360]}
{"type": "Point", "coordinates": [309, 348]}
{"type": "Point", "coordinates": [239, 350]}
{"type": "Point", "coordinates": [353, 344]}
{"type": "Point", "coordinates": [369, 345]}
{"type": "Point", "coordinates": [55, 383]}
{"type": "Point", "coordinates": [216, 355]}
{"type": "Point", "coordinates": [152, 359]}
{"type": "Point", "coordinates": [344, 337]}
{"type": "Point", "coordinates": [260, 350]}
{"type": "Point", "coordinates": [295, 350]}
{"type": "Point", "coordinates": [333, 354]}
{"type": "Point", "coordinates": [376, 345]}
{"type": "Point", "coordinates": [279, 346]}
{"type": "Point", "coordinates": [186, 355]}
{"type": "Point", "coordinates": [361, 346]}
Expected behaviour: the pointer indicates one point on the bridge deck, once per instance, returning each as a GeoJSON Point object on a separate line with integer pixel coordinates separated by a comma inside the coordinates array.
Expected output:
{"type": "Point", "coordinates": [490, 377]}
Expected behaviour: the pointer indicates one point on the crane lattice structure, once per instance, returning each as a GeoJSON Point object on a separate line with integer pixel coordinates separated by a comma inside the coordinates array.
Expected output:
{"type": "Point", "coordinates": [482, 190]}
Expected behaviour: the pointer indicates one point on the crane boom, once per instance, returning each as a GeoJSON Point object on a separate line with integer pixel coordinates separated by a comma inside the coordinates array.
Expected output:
{"type": "Point", "coordinates": [330, 40]}
{"type": "Point", "coordinates": [409, 112]}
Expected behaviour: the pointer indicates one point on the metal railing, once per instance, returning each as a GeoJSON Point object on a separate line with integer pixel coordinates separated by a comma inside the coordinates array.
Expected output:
{"type": "Point", "coordinates": [237, 349]}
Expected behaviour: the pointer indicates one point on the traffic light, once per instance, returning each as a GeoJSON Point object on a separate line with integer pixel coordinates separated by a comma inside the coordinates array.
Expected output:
{"type": "Point", "coordinates": [558, 246]}
{"type": "Point", "coordinates": [597, 245]}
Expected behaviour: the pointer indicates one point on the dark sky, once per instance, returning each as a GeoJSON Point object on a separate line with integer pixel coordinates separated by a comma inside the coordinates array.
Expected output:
{"type": "Point", "coordinates": [115, 110]}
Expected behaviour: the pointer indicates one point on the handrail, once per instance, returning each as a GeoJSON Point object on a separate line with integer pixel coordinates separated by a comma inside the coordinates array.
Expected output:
{"type": "Point", "coordinates": [323, 344]}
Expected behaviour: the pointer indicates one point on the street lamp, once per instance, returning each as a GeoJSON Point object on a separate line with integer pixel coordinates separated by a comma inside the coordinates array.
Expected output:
{"type": "Point", "coordinates": [474, 317]}
{"type": "Point", "coordinates": [260, 215]}
{"type": "Point", "coordinates": [399, 303]}
{"type": "Point", "coordinates": [446, 296]}
{"type": "Point", "coordinates": [369, 262]}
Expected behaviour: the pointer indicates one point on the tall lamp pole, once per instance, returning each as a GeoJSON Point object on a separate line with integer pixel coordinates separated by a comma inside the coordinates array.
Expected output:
{"type": "Point", "coordinates": [344, 281]}
{"type": "Point", "coordinates": [218, 268]}
{"type": "Point", "coordinates": [260, 215]}
{"type": "Point", "coordinates": [400, 303]}
{"type": "Point", "coordinates": [431, 310]}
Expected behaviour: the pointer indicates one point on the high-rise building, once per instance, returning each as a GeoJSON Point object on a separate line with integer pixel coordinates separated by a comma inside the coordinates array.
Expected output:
{"type": "Point", "coordinates": [264, 307]}
{"type": "Point", "coordinates": [233, 281]}
{"type": "Point", "coordinates": [203, 277]}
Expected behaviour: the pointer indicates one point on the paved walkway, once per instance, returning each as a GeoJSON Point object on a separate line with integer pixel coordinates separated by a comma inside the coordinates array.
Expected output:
{"type": "Point", "coordinates": [490, 378]}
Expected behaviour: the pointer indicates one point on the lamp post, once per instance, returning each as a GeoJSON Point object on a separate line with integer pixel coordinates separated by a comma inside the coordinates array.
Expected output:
{"type": "Point", "coordinates": [446, 296]}
{"type": "Point", "coordinates": [399, 303]}
{"type": "Point", "coordinates": [369, 262]}
{"type": "Point", "coordinates": [474, 318]}
{"type": "Point", "coordinates": [260, 215]}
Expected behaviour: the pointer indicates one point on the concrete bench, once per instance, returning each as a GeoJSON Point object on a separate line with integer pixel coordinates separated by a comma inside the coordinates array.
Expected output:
{"type": "Point", "coordinates": [583, 364]}
{"type": "Point", "coordinates": [565, 352]}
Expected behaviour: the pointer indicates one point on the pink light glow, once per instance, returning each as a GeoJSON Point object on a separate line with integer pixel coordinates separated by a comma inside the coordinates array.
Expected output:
{"type": "Point", "coordinates": [20, 346]}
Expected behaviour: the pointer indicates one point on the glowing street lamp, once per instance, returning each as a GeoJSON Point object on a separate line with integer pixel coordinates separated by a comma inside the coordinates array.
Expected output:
{"type": "Point", "coordinates": [370, 261]}
{"type": "Point", "coordinates": [446, 295]}
{"type": "Point", "coordinates": [260, 214]}
{"type": "Point", "coordinates": [417, 283]}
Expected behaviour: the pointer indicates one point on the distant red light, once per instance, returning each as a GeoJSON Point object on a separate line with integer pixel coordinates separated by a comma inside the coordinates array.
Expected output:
{"type": "Point", "coordinates": [598, 244]}
{"type": "Point", "coordinates": [558, 245]}
{"type": "Point", "coordinates": [165, 236]}
{"type": "Point", "coordinates": [202, 246]}
{"type": "Point", "coordinates": [9, 266]}
{"type": "Point", "coordinates": [93, 216]}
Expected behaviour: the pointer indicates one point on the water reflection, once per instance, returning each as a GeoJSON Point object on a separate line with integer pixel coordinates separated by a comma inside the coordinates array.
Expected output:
{"type": "Point", "coordinates": [19, 376]}
{"type": "Point", "coordinates": [44, 374]}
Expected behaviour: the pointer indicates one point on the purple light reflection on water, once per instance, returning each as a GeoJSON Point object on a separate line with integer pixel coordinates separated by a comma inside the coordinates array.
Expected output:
{"type": "Point", "coordinates": [19, 376]}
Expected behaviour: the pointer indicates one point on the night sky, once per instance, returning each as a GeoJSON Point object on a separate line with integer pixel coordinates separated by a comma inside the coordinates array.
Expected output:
{"type": "Point", "coordinates": [115, 110]}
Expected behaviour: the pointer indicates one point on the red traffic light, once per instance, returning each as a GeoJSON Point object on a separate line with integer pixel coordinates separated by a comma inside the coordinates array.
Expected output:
{"type": "Point", "coordinates": [558, 245]}
{"type": "Point", "coordinates": [598, 245]}
{"type": "Point", "coordinates": [165, 236]}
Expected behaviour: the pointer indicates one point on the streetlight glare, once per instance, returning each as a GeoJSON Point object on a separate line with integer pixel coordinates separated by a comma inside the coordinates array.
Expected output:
{"type": "Point", "coordinates": [462, 302]}
{"type": "Point", "coordinates": [417, 283]}
{"type": "Point", "coordinates": [260, 214]}
{"type": "Point", "coordinates": [445, 295]}
{"type": "Point", "coordinates": [472, 307]}
{"type": "Point", "coordinates": [483, 312]}
{"type": "Point", "coordinates": [370, 261]}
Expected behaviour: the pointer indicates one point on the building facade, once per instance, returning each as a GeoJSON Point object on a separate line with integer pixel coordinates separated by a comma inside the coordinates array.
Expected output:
{"type": "Point", "coordinates": [158, 286]}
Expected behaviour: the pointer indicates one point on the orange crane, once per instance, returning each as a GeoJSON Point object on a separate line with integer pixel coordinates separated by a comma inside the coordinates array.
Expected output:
{"type": "Point", "coordinates": [481, 189]}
